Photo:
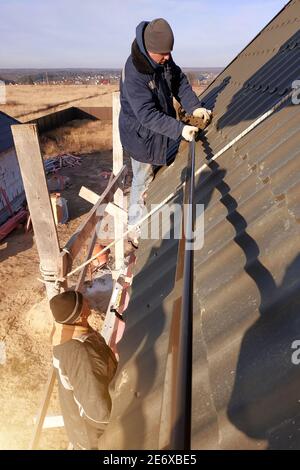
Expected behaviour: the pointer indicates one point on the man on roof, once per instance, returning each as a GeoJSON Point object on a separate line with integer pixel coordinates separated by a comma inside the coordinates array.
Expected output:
{"type": "Point", "coordinates": [149, 131]}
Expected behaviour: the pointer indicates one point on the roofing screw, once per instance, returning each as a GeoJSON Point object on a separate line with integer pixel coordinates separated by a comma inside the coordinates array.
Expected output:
{"type": "Point", "coordinates": [272, 89]}
{"type": "Point", "coordinates": [282, 92]}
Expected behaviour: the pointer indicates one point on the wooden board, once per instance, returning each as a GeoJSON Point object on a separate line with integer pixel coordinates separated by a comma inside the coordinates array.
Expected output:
{"type": "Point", "coordinates": [119, 226]}
{"type": "Point", "coordinates": [37, 195]}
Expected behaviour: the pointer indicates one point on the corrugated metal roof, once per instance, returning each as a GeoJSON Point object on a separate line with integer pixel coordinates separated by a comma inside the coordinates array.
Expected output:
{"type": "Point", "coordinates": [6, 139]}
{"type": "Point", "coordinates": [246, 390]}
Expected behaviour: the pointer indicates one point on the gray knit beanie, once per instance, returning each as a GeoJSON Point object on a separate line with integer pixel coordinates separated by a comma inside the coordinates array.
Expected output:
{"type": "Point", "coordinates": [158, 36]}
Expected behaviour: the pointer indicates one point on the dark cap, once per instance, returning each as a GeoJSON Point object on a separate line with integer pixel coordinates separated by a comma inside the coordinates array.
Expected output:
{"type": "Point", "coordinates": [66, 307]}
{"type": "Point", "coordinates": [158, 36]}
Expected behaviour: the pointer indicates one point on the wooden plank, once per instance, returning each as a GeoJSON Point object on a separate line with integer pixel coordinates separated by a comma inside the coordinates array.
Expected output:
{"type": "Point", "coordinates": [116, 211]}
{"type": "Point", "coordinates": [111, 208]}
{"type": "Point", "coordinates": [37, 195]}
{"type": "Point", "coordinates": [82, 274]}
{"type": "Point", "coordinates": [89, 195]}
{"type": "Point", "coordinates": [52, 422]}
{"type": "Point", "coordinates": [119, 226]}
{"type": "Point", "coordinates": [39, 204]}
{"type": "Point", "coordinates": [75, 243]}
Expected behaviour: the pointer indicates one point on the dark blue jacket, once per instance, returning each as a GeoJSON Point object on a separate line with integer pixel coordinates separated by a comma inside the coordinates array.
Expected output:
{"type": "Point", "coordinates": [148, 125]}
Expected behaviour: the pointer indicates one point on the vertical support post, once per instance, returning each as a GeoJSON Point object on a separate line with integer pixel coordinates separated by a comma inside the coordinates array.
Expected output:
{"type": "Point", "coordinates": [118, 197]}
{"type": "Point", "coordinates": [39, 204]}
{"type": "Point", "coordinates": [37, 195]}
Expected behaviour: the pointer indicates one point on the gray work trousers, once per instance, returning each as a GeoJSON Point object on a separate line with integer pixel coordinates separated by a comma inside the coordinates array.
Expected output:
{"type": "Point", "coordinates": [142, 176]}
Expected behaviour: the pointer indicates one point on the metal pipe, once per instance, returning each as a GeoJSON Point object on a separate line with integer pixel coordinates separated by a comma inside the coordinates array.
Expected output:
{"type": "Point", "coordinates": [181, 417]}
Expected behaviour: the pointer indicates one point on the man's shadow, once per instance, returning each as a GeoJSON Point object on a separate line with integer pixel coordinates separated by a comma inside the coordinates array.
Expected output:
{"type": "Point", "coordinates": [265, 399]}
{"type": "Point", "coordinates": [264, 403]}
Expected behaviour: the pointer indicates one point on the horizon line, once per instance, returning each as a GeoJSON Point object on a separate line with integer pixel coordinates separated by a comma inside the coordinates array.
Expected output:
{"type": "Point", "coordinates": [97, 68]}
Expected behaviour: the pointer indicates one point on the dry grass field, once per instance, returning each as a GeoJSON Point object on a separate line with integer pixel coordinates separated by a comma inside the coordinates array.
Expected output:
{"type": "Point", "coordinates": [80, 136]}
{"type": "Point", "coordinates": [27, 102]}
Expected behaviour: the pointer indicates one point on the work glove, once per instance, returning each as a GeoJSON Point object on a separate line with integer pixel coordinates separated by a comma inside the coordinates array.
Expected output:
{"type": "Point", "coordinates": [189, 132]}
{"type": "Point", "coordinates": [204, 114]}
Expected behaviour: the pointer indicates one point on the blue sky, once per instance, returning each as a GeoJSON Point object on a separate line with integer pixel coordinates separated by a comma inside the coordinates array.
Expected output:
{"type": "Point", "coordinates": [97, 33]}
